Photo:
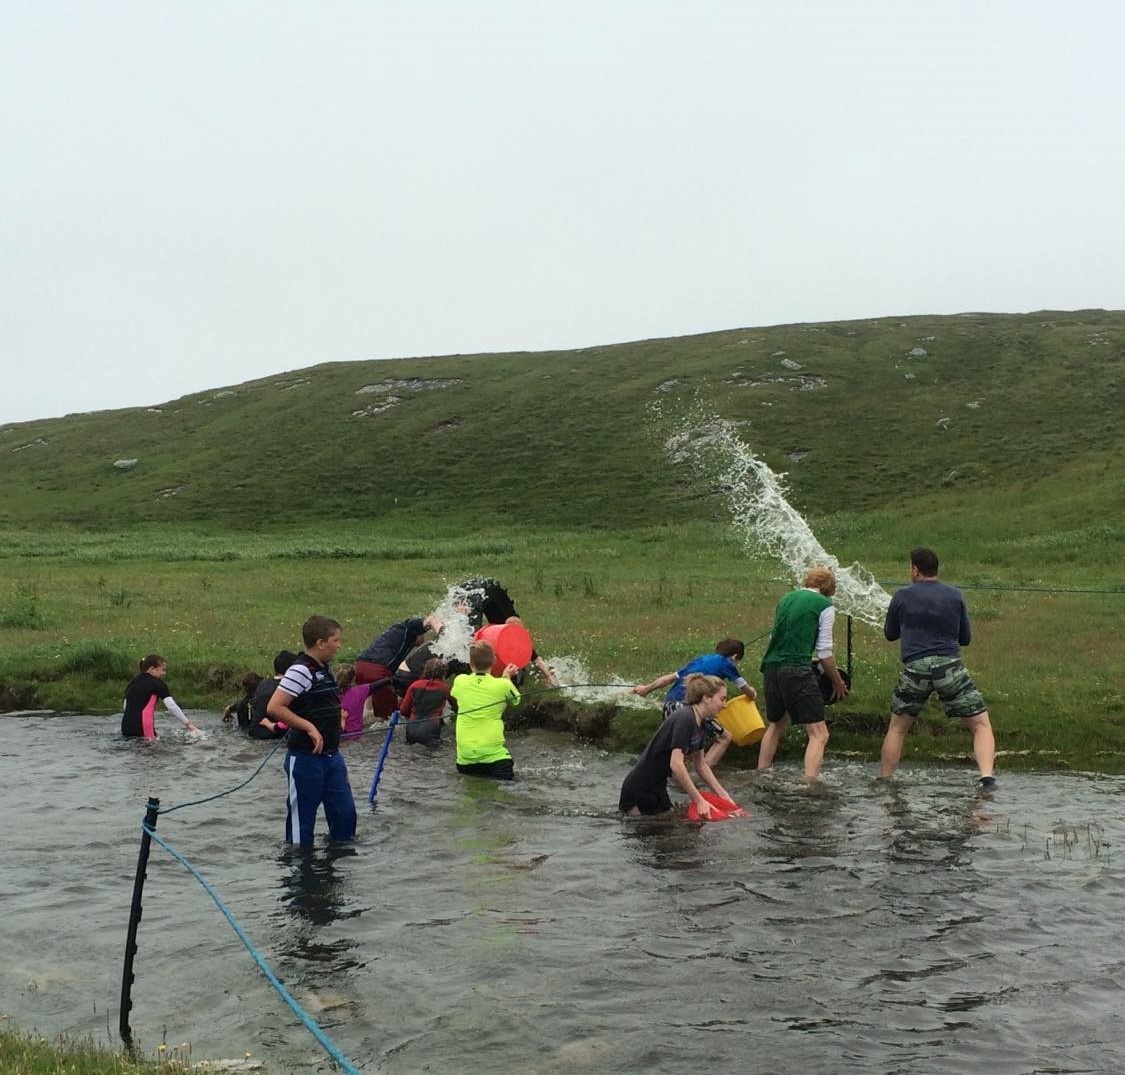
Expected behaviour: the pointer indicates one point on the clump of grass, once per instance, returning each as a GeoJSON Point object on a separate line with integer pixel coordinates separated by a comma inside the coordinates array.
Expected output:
{"type": "Point", "coordinates": [97, 660]}
{"type": "Point", "coordinates": [338, 552]}
{"type": "Point", "coordinates": [33, 1054]}
{"type": "Point", "coordinates": [390, 552]}
{"type": "Point", "coordinates": [24, 613]}
{"type": "Point", "coordinates": [221, 676]}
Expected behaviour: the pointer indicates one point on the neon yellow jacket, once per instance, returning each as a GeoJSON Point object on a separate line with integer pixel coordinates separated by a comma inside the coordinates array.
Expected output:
{"type": "Point", "coordinates": [481, 698]}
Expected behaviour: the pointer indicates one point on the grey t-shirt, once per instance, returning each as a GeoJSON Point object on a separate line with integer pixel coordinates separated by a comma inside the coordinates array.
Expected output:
{"type": "Point", "coordinates": [678, 731]}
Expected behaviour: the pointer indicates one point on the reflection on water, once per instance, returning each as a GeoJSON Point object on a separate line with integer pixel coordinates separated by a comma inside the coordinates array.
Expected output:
{"type": "Point", "coordinates": [313, 895]}
{"type": "Point", "coordinates": [804, 819]}
{"type": "Point", "coordinates": [663, 843]}
{"type": "Point", "coordinates": [855, 925]}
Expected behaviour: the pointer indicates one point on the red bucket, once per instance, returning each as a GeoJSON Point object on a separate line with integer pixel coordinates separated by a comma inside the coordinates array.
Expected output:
{"type": "Point", "coordinates": [721, 809]}
{"type": "Point", "coordinates": [510, 642]}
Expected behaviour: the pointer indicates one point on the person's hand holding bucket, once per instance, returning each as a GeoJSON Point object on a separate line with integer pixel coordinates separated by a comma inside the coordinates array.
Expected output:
{"type": "Point", "coordinates": [511, 643]}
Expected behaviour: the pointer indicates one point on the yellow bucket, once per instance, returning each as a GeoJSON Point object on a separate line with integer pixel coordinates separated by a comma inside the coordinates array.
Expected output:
{"type": "Point", "coordinates": [741, 718]}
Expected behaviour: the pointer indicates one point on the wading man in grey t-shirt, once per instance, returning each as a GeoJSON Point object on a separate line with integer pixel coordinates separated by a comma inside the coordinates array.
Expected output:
{"type": "Point", "coordinates": [929, 620]}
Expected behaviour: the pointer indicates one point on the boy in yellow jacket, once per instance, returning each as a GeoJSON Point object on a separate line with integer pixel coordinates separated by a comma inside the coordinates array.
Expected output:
{"type": "Point", "coordinates": [481, 699]}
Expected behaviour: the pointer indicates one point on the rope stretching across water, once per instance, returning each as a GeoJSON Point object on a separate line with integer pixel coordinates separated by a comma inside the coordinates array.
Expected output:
{"type": "Point", "coordinates": [327, 1043]}
{"type": "Point", "coordinates": [229, 791]}
{"type": "Point", "coordinates": [355, 735]}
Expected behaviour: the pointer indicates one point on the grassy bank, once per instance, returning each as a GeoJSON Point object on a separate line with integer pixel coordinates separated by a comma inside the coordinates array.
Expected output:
{"type": "Point", "coordinates": [32, 1054]}
{"type": "Point", "coordinates": [78, 609]}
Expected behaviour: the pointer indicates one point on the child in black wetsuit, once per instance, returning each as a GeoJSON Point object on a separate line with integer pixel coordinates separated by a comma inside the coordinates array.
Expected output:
{"type": "Point", "coordinates": [261, 727]}
{"type": "Point", "coordinates": [240, 710]}
{"type": "Point", "coordinates": [144, 691]}
{"type": "Point", "coordinates": [487, 601]}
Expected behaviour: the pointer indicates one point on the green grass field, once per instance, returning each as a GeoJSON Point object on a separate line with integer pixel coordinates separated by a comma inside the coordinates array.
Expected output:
{"type": "Point", "coordinates": [76, 616]}
{"type": "Point", "coordinates": [363, 489]}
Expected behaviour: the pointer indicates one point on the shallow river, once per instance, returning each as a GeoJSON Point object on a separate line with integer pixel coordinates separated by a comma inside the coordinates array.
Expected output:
{"type": "Point", "coordinates": [851, 927]}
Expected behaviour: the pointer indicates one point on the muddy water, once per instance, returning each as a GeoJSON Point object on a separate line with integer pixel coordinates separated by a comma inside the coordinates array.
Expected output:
{"type": "Point", "coordinates": [853, 927]}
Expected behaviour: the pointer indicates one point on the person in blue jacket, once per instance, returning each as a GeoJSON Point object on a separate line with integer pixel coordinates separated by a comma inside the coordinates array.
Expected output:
{"type": "Point", "coordinates": [721, 663]}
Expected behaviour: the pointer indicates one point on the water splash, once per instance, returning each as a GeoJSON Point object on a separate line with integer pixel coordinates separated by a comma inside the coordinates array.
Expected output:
{"type": "Point", "coordinates": [452, 644]}
{"type": "Point", "coordinates": [575, 677]}
{"type": "Point", "coordinates": [761, 515]}
{"type": "Point", "coordinates": [572, 673]}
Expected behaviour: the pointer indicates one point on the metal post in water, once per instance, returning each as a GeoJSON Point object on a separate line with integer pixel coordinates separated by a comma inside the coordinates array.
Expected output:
{"type": "Point", "coordinates": [151, 814]}
{"type": "Point", "coordinates": [382, 758]}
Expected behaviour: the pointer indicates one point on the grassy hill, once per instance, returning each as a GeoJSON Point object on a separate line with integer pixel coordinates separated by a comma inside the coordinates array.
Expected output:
{"type": "Point", "coordinates": [363, 489]}
{"type": "Point", "coordinates": [1023, 408]}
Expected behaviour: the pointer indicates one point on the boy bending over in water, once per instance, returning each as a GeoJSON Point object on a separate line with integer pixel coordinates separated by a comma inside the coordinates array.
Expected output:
{"type": "Point", "coordinates": [681, 735]}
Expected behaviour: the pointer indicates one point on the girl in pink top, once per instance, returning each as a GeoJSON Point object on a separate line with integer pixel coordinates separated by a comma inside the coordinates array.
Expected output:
{"type": "Point", "coordinates": [352, 698]}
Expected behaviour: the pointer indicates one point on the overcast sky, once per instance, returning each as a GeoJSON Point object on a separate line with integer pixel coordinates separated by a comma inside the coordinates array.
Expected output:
{"type": "Point", "coordinates": [196, 193]}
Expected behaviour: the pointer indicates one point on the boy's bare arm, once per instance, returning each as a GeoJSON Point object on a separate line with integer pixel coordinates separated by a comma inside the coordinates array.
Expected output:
{"type": "Point", "coordinates": [278, 708]}
{"type": "Point", "coordinates": [655, 685]}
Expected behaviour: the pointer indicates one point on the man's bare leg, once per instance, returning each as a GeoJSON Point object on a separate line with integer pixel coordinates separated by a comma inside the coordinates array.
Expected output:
{"type": "Point", "coordinates": [893, 742]}
{"type": "Point", "coordinates": [984, 742]}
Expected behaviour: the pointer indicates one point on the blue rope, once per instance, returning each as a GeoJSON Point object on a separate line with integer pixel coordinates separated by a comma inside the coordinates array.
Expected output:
{"type": "Point", "coordinates": [263, 966]}
{"type": "Point", "coordinates": [383, 757]}
{"type": "Point", "coordinates": [351, 736]}
{"type": "Point", "coordinates": [219, 795]}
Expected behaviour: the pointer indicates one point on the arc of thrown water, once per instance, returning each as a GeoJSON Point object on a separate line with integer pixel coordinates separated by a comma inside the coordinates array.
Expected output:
{"type": "Point", "coordinates": [762, 516]}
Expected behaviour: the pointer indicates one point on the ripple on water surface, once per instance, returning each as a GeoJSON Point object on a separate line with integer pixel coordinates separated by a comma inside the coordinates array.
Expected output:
{"type": "Point", "coordinates": [855, 926]}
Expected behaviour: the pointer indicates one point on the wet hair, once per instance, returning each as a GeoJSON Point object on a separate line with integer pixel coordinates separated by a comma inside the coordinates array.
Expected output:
{"type": "Point", "coordinates": [317, 629]}
{"type": "Point", "coordinates": [434, 668]}
{"type": "Point", "coordinates": [697, 686]}
{"type": "Point", "coordinates": [730, 647]}
{"type": "Point", "coordinates": [925, 560]}
{"type": "Point", "coordinates": [344, 676]}
{"type": "Point", "coordinates": [822, 579]}
{"type": "Point", "coordinates": [283, 661]}
{"type": "Point", "coordinates": [481, 657]}
{"type": "Point", "coordinates": [250, 682]}
{"type": "Point", "coordinates": [153, 660]}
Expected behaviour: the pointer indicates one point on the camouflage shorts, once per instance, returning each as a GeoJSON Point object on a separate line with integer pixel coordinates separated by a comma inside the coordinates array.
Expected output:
{"type": "Point", "coordinates": [945, 675]}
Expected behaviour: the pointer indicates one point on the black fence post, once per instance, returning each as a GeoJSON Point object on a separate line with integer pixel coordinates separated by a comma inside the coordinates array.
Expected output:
{"type": "Point", "coordinates": [151, 814]}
